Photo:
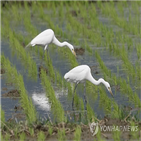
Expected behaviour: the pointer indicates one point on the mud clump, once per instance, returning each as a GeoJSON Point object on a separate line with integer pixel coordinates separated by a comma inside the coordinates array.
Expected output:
{"type": "Point", "coordinates": [16, 108]}
{"type": "Point", "coordinates": [2, 71]}
{"type": "Point", "coordinates": [74, 13]}
{"type": "Point", "coordinates": [44, 69]}
{"type": "Point", "coordinates": [12, 93]}
{"type": "Point", "coordinates": [79, 51]}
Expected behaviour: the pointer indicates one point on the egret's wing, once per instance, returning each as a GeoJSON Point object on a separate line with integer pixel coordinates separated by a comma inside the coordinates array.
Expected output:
{"type": "Point", "coordinates": [78, 69]}
{"type": "Point", "coordinates": [43, 38]}
{"type": "Point", "coordinates": [77, 74]}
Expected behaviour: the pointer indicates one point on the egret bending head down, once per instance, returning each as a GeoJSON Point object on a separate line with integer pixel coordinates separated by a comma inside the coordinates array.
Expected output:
{"type": "Point", "coordinates": [46, 37]}
{"type": "Point", "coordinates": [82, 73]}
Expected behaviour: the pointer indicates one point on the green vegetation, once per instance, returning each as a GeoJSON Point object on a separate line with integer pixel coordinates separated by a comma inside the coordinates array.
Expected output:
{"type": "Point", "coordinates": [41, 136]}
{"type": "Point", "coordinates": [2, 116]}
{"type": "Point", "coordinates": [56, 106]}
{"type": "Point", "coordinates": [110, 29]}
{"type": "Point", "coordinates": [77, 134]}
{"type": "Point", "coordinates": [16, 78]}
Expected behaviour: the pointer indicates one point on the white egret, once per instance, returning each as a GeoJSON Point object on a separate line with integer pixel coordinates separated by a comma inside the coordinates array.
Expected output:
{"type": "Point", "coordinates": [82, 73]}
{"type": "Point", "coordinates": [46, 37]}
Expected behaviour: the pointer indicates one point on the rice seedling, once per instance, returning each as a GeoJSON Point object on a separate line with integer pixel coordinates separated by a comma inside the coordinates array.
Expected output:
{"type": "Point", "coordinates": [60, 80]}
{"type": "Point", "coordinates": [77, 133]}
{"type": "Point", "coordinates": [79, 104]}
{"type": "Point", "coordinates": [134, 130]}
{"type": "Point", "coordinates": [17, 79]}
{"type": "Point", "coordinates": [80, 28]}
{"type": "Point", "coordinates": [22, 136]}
{"type": "Point", "coordinates": [90, 113]}
{"type": "Point", "coordinates": [41, 136]}
{"type": "Point", "coordinates": [116, 134]}
{"type": "Point", "coordinates": [50, 130]}
{"type": "Point", "coordinates": [21, 54]}
{"type": "Point", "coordinates": [56, 106]}
{"type": "Point", "coordinates": [116, 49]}
{"type": "Point", "coordinates": [16, 132]}
{"type": "Point", "coordinates": [2, 115]}
{"type": "Point", "coordinates": [16, 14]}
{"type": "Point", "coordinates": [99, 3]}
{"type": "Point", "coordinates": [110, 106]}
{"type": "Point", "coordinates": [6, 137]}
{"type": "Point", "coordinates": [109, 10]}
{"type": "Point", "coordinates": [41, 11]}
{"type": "Point", "coordinates": [130, 69]}
{"type": "Point", "coordinates": [92, 91]}
{"type": "Point", "coordinates": [125, 88]}
{"type": "Point", "coordinates": [61, 11]}
{"type": "Point", "coordinates": [61, 135]}
{"type": "Point", "coordinates": [31, 131]}
{"type": "Point", "coordinates": [138, 50]}
{"type": "Point", "coordinates": [98, 135]}
{"type": "Point", "coordinates": [28, 25]}
{"type": "Point", "coordinates": [2, 139]}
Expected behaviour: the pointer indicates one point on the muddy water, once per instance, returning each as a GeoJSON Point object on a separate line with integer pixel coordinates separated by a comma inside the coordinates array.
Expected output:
{"type": "Point", "coordinates": [37, 93]}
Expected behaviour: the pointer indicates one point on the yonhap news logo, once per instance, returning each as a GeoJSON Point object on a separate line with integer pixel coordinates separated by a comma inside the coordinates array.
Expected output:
{"type": "Point", "coordinates": [95, 127]}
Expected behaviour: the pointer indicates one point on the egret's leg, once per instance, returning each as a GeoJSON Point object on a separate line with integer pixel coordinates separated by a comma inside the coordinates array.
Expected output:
{"type": "Point", "coordinates": [73, 95]}
{"type": "Point", "coordinates": [44, 54]}
{"type": "Point", "coordinates": [47, 55]}
{"type": "Point", "coordinates": [46, 48]}
{"type": "Point", "coordinates": [85, 99]}
{"type": "Point", "coordinates": [43, 57]}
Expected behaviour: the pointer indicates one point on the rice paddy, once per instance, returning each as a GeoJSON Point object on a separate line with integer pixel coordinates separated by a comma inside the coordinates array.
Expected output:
{"type": "Point", "coordinates": [107, 33]}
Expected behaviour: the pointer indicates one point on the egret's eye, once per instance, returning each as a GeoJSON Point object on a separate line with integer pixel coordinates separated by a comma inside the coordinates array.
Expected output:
{"type": "Point", "coordinates": [108, 87]}
{"type": "Point", "coordinates": [72, 49]}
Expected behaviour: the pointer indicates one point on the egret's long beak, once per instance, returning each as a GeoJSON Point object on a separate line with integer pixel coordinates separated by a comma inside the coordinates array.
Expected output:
{"type": "Point", "coordinates": [74, 53]}
{"type": "Point", "coordinates": [111, 92]}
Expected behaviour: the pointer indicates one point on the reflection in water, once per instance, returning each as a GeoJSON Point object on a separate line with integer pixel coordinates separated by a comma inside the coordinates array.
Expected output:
{"type": "Point", "coordinates": [40, 100]}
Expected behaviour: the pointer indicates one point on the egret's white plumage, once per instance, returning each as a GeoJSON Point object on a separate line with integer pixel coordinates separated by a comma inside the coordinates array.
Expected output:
{"type": "Point", "coordinates": [77, 74]}
{"type": "Point", "coordinates": [82, 73]}
{"type": "Point", "coordinates": [46, 37]}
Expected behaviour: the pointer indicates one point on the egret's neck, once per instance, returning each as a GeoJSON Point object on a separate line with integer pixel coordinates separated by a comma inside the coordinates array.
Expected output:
{"type": "Point", "coordinates": [66, 44]}
{"type": "Point", "coordinates": [58, 43]}
{"type": "Point", "coordinates": [96, 82]}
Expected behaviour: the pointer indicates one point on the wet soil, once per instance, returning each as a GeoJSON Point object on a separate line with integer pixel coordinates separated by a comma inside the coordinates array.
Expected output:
{"type": "Point", "coordinates": [12, 94]}
{"type": "Point", "coordinates": [16, 108]}
{"type": "Point", "coordinates": [74, 13]}
{"type": "Point", "coordinates": [86, 134]}
{"type": "Point", "coordinates": [79, 51]}
{"type": "Point", "coordinates": [2, 71]}
{"type": "Point", "coordinates": [42, 68]}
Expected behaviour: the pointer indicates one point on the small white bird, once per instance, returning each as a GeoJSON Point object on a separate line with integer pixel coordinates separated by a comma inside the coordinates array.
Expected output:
{"type": "Point", "coordinates": [82, 73]}
{"type": "Point", "coordinates": [46, 37]}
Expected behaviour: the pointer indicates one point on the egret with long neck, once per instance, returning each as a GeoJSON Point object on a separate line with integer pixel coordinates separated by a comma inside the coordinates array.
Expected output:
{"type": "Point", "coordinates": [47, 37]}
{"type": "Point", "coordinates": [82, 73]}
